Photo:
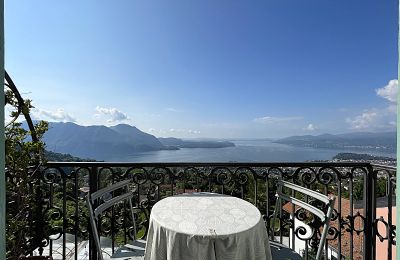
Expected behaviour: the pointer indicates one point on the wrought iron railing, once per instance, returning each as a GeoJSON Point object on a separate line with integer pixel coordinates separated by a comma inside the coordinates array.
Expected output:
{"type": "Point", "coordinates": [357, 231]}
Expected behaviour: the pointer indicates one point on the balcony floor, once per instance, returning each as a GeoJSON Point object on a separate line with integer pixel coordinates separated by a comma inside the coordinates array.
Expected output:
{"type": "Point", "coordinates": [133, 251]}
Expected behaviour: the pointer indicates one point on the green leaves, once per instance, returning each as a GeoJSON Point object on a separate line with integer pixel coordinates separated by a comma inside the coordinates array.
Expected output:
{"type": "Point", "coordinates": [22, 151]}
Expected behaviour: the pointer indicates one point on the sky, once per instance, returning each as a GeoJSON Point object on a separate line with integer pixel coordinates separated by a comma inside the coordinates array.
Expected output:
{"type": "Point", "coordinates": [217, 69]}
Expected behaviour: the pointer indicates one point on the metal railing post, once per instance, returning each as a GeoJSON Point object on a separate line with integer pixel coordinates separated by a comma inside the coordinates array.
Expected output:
{"type": "Point", "coordinates": [369, 213]}
{"type": "Point", "coordinates": [2, 146]}
{"type": "Point", "coordinates": [93, 186]}
{"type": "Point", "coordinates": [397, 194]}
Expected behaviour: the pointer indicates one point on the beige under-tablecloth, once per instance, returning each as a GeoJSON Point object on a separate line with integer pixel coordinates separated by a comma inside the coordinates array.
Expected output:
{"type": "Point", "coordinates": [206, 226]}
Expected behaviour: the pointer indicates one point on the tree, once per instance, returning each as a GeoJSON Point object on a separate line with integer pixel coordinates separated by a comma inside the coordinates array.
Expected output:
{"type": "Point", "coordinates": [23, 150]}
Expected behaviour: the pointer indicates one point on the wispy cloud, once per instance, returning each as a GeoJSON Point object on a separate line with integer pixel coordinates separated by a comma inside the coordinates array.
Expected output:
{"type": "Point", "coordinates": [171, 109]}
{"type": "Point", "coordinates": [59, 115]}
{"type": "Point", "coordinates": [190, 131]}
{"type": "Point", "coordinates": [389, 91]}
{"type": "Point", "coordinates": [310, 127]}
{"type": "Point", "coordinates": [174, 131]}
{"type": "Point", "coordinates": [156, 131]}
{"type": "Point", "coordinates": [377, 119]}
{"type": "Point", "coordinates": [373, 120]}
{"type": "Point", "coordinates": [114, 114]}
{"type": "Point", "coordinates": [274, 120]}
{"type": "Point", "coordinates": [186, 131]}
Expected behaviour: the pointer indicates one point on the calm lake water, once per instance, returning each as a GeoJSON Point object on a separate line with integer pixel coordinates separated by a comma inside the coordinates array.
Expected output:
{"type": "Point", "coordinates": [244, 151]}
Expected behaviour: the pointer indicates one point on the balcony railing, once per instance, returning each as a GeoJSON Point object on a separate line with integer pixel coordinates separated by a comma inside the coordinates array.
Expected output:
{"type": "Point", "coordinates": [361, 226]}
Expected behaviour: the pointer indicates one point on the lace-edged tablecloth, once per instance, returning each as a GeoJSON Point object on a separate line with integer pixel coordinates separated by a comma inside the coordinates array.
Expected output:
{"type": "Point", "coordinates": [206, 226]}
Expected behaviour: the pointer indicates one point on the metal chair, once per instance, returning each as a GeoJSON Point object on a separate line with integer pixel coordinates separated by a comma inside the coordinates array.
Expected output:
{"type": "Point", "coordinates": [280, 251]}
{"type": "Point", "coordinates": [105, 200]}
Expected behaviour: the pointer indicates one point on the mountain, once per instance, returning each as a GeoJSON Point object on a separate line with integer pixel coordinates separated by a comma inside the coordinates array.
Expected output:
{"type": "Point", "coordinates": [142, 140]}
{"type": "Point", "coordinates": [179, 143]}
{"type": "Point", "coordinates": [98, 142]}
{"type": "Point", "coordinates": [385, 141]}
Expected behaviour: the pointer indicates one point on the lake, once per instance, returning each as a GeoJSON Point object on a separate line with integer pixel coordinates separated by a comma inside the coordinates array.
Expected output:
{"type": "Point", "coordinates": [244, 151]}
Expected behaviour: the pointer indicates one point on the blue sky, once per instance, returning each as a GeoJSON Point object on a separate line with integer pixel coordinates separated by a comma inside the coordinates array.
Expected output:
{"type": "Point", "coordinates": [222, 69]}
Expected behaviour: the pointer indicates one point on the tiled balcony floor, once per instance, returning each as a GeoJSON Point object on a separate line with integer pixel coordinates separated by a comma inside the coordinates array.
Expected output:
{"type": "Point", "coordinates": [134, 252]}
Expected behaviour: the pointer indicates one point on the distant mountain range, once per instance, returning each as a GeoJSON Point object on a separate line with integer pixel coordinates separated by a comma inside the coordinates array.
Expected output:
{"type": "Point", "coordinates": [101, 142]}
{"type": "Point", "coordinates": [384, 141]}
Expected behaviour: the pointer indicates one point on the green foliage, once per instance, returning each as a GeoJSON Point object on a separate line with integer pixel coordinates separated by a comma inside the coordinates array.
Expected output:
{"type": "Point", "coordinates": [60, 157]}
{"type": "Point", "coordinates": [23, 154]}
{"type": "Point", "coordinates": [380, 188]}
{"type": "Point", "coordinates": [20, 151]}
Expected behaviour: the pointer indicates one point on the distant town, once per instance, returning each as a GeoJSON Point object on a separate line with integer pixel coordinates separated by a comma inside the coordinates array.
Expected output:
{"type": "Point", "coordinates": [355, 157]}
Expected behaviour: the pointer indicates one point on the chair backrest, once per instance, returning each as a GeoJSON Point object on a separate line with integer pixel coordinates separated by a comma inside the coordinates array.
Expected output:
{"type": "Point", "coordinates": [96, 209]}
{"type": "Point", "coordinates": [324, 217]}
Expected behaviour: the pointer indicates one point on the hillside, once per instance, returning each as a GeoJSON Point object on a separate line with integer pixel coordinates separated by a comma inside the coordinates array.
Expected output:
{"type": "Point", "coordinates": [361, 157]}
{"type": "Point", "coordinates": [61, 157]}
{"type": "Point", "coordinates": [141, 140]}
{"type": "Point", "coordinates": [98, 142]}
{"type": "Point", "coordinates": [101, 142]}
{"type": "Point", "coordinates": [385, 141]}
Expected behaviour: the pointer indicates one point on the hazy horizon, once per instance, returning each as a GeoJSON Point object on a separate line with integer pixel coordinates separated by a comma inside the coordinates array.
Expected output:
{"type": "Point", "coordinates": [225, 138]}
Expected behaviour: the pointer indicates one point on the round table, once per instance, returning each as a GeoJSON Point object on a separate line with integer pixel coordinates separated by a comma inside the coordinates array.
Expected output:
{"type": "Point", "coordinates": [206, 226]}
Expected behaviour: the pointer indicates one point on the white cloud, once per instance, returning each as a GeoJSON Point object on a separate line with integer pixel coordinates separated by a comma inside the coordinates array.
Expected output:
{"type": "Point", "coordinates": [59, 115]}
{"type": "Point", "coordinates": [174, 131]}
{"type": "Point", "coordinates": [274, 120]}
{"type": "Point", "coordinates": [310, 127]}
{"type": "Point", "coordinates": [114, 114]}
{"type": "Point", "coordinates": [156, 131]}
{"type": "Point", "coordinates": [373, 120]}
{"type": "Point", "coordinates": [364, 121]}
{"type": "Point", "coordinates": [389, 91]}
{"type": "Point", "coordinates": [378, 119]}
{"type": "Point", "coordinates": [190, 131]}
{"type": "Point", "coordinates": [184, 131]}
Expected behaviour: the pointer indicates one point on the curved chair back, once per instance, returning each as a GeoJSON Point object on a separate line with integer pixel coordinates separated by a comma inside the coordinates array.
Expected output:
{"type": "Point", "coordinates": [104, 204]}
{"type": "Point", "coordinates": [324, 217]}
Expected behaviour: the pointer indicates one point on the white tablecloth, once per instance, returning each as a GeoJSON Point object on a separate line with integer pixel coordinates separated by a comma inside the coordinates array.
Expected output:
{"type": "Point", "coordinates": [206, 226]}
